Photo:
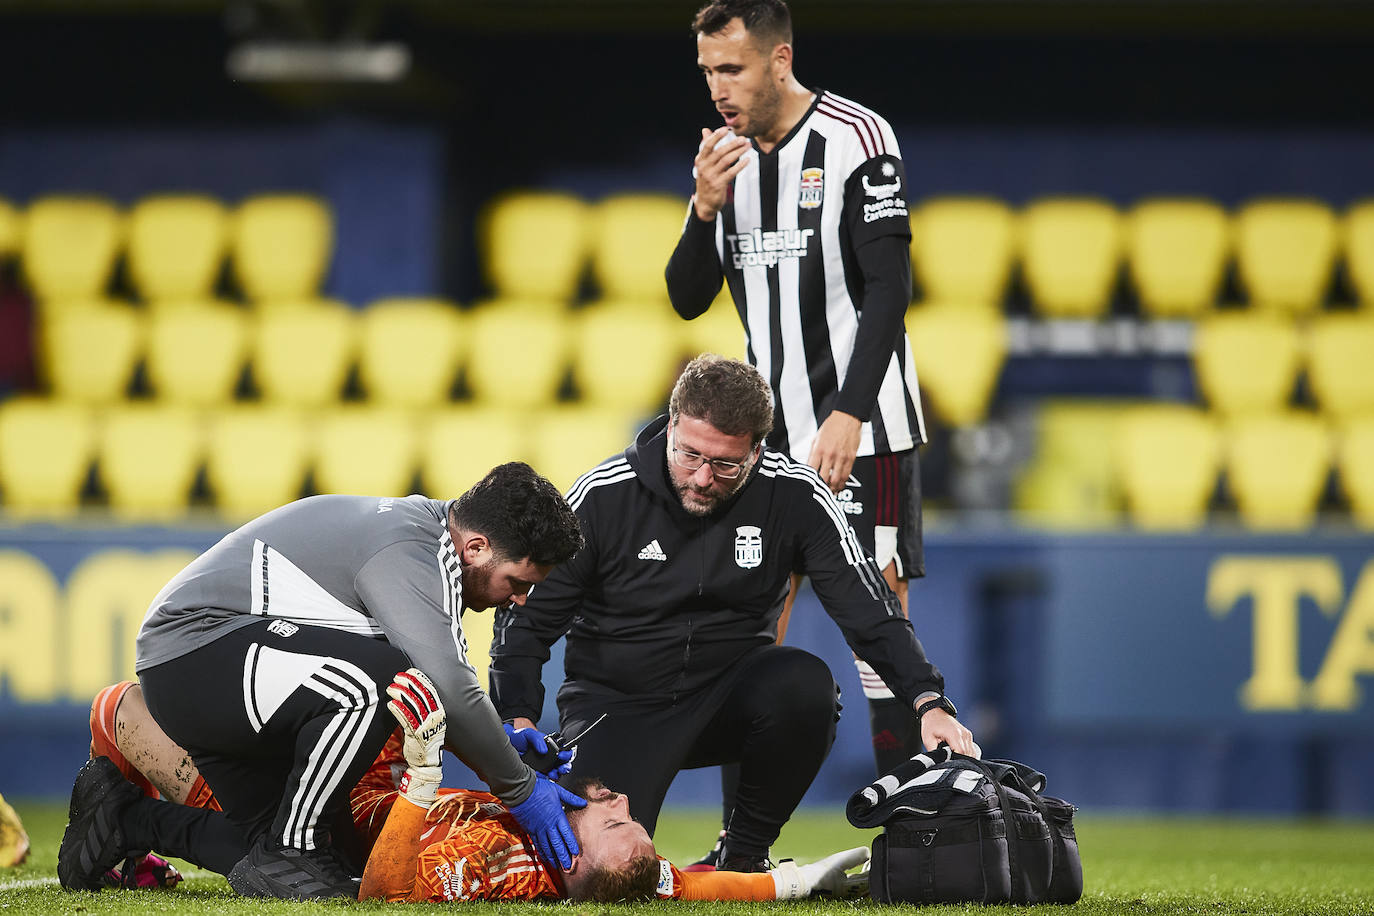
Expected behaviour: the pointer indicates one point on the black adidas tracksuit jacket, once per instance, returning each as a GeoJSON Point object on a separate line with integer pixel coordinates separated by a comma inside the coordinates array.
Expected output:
{"type": "Point", "coordinates": [660, 602]}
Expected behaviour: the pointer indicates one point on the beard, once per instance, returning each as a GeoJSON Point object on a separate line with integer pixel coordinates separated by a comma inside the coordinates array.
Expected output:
{"type": "Point", "coordinates": [477, 586]}
{"type": "Point", "coordinates": [700, 502]}
{"type": "Point", "coordinates": [764, 113]}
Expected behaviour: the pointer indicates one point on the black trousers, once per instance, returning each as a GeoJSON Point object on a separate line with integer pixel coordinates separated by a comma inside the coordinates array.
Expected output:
{"type": "Point", "coordinates": [281, 721]}
{"type": "Point", "coordinates": [773, 712]}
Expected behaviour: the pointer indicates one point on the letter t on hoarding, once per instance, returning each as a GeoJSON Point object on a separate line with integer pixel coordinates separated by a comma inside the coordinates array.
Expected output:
{"type": "Point", "coordinates": [1275, 584]}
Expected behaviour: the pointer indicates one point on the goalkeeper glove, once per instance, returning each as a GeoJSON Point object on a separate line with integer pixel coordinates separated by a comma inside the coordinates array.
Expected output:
{"type": "Point", "coordinates": [415, 704]}
{"type": "Point", "coordinates": [827, 876]}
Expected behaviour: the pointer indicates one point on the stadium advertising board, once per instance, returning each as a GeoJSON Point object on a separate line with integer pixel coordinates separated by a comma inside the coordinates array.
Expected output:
{"type": "Point", "coordinates": [1238, 633]}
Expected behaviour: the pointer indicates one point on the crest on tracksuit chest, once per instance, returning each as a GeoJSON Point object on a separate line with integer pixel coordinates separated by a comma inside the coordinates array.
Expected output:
{"type": "Point", "coordinates": [748, 546]}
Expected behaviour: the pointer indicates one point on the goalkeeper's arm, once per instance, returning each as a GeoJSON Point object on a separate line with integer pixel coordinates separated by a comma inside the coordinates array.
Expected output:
{"type": "Point", "coordinates": [391, 868]}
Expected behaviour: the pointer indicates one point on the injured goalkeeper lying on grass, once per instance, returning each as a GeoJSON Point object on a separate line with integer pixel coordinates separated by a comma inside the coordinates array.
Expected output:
{"type": "Point", "coordinates": [421, 842]}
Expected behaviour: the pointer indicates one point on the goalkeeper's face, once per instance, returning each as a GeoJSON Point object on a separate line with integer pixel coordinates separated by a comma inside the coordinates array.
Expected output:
{"type": "Point", "coordinates": [609, 838]}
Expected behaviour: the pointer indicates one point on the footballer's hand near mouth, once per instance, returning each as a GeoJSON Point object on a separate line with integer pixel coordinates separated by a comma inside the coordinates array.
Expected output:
{"type": "Point", "coordinates": [720, 157]}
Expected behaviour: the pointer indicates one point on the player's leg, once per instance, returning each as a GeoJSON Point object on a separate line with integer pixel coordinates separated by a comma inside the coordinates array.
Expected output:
{"type": "Point", "coordinates": [729, 773]}
{"type": "Point", "coordinates": [296, 719]}
{"type": "Point", "coordinates": [123, 730]}
{"type": "Point", "coordinates": [105, 730]}
{"type": "Point", "coordinates": [121, 727]}
{"type": "Point", "coordinates": [890, 528]}
{"type": "Point", "coordinates": [776, 716]}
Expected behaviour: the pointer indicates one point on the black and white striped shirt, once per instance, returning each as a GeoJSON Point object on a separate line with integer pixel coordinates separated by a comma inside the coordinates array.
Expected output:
{"type": "Point", "coordinates": [813, 243]}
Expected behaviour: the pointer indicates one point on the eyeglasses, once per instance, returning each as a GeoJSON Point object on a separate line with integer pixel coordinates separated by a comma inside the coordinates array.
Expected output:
{"type": "Point", "coordinates": [691, 461]}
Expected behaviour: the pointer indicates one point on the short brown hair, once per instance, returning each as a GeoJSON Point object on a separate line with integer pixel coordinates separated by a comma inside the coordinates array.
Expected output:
{"type": "Point", "coordinates": [728, 394]}
{"type": "Point", "coordinates": [769, 20]}
{"type": "Point", "coordinates": [636, 881]}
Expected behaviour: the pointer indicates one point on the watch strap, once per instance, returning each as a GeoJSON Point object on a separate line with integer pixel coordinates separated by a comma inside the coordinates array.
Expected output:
{"type": "Point", "coordinates": [940, 702]}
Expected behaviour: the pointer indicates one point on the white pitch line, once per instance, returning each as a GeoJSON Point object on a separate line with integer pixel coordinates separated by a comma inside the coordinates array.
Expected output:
{"type": "Point", "coordinates": [46, 882]}
{"type": "Point", "coordinates": [27, 882]}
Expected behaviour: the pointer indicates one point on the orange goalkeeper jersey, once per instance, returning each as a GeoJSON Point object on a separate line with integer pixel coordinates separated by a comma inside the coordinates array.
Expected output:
{"type": "Point", "coordinates": [468, 846]}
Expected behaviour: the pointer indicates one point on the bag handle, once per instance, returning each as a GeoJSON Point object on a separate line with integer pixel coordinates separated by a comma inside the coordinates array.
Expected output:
{"type": "Point", "coordinates": [1008, 817]}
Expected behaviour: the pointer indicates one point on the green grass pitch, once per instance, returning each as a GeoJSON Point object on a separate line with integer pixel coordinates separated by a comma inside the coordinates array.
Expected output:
{"type": "Point", "coordinates": [1137, 866]}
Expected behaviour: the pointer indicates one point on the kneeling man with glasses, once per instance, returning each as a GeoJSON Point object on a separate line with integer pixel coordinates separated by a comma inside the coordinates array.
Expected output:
{"type": "Point", "coordinates": [670, 613]}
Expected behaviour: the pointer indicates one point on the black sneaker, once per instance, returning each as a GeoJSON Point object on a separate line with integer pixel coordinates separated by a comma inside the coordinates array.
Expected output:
{"type": "Point", "coordinates": [93, 842]}
{"type": "Point", "coordinates": [291, 874]}
{"type": "Point", "coordinates": [731, 861]}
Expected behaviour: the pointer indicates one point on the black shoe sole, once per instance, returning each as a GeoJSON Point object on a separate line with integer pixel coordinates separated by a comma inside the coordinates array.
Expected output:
{"type": "Point", "coordinates": [252, 879]}
{"type": "Point", "coordinates": [92, 842]}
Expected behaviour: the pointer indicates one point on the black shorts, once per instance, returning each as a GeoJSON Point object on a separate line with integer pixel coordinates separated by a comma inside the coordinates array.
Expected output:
{"type": "Point", "coordinates": [883, 504]}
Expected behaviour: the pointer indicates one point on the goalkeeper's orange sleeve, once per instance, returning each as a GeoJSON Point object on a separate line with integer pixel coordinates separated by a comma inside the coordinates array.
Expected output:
{"type": "Point", "coordinates": [727, 885]}
{"type": "Point", "coordinates": [391, 868]}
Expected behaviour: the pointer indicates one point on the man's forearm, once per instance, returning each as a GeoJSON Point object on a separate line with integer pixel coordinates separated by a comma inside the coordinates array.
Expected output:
{"type": "Point", "coordinates": [694, 273]}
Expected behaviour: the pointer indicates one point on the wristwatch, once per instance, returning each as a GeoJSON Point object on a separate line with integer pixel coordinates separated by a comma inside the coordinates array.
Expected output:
{"type": "Point", "coordinates": [940, 702]}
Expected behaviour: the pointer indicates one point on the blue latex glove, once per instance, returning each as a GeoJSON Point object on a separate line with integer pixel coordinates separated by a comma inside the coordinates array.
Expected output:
{"type": "Point", "coordinates": [530, 744]}
{"type": "Point", "coordinates": [543, 819]}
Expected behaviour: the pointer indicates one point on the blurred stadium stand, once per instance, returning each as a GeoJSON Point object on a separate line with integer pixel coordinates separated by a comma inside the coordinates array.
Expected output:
{"type": "Point", "coordinates": [1143, 303]}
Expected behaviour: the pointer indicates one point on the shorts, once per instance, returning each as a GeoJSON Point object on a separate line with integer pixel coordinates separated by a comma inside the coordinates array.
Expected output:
{"type": "Point", "coordinates": [882, 501]}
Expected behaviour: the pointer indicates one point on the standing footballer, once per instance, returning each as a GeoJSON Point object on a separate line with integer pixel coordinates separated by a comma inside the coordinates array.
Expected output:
{"type": "Point", "coordinates": [800, 207]}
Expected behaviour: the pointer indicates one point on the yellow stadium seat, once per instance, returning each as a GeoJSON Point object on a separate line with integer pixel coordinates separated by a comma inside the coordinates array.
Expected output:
{"type": "Point", "coordinates": [281, 246]}
{"type": "Point", "coordinates": [534, 245]}
{"type": "Point", "coordinates": [1285, 249]}
{"type": "Point", "coordinates": [256, 458]}
{"type": "Point", "coordinates": [91, 349]}
{"type": "Point", "coordinates": [1176, 250]}
{"type": "Point", "coordinates": [626, 354]}
{"type": "Point", "coordinates": [959, 354]}
{"type": "Point", "coordinates": [11, 229]}
{"type": "Point", "coordinates": [1340, 362]}
{"type": "Point", "coordinates": [516, 354]}
{"type": "Point", "coordinates": [1357, 242]}
{"type": "Point", "coordinates": [365, 450]}
{"type": "Point", "coordinates": [1355, 467]}
{"type": "Point", "coordinates": [572, 439]}
{"type": "Point", "coordinates": [46, 447]}
{"type": "Point", "coordinates": [1070, 250]}
{"type": "Point", "coordinates": [177, 244]}
{"type": "Point", "coordinates": [301, 352]}
{"type": "Point", "coordinates": [632, 237]}
{"type": "Point", "coordinates": [1071, 482]}
{"type": "Point", "coordinates": [1276, 468]}
{"type": "Point", "coordinates": [459, 445]}
{"type": "Point", "coordinates": [717, 330]}
{"type": "Point", "coordinates": [409, 350]}
{"type": "Point", "coordinates": [149, 457]}
{"type": "Point", "coordinates": [70, 245]}
{"type": "Point", "coordinates": [1246, 361]}
{"type": "Point", "coordinates": [1167, 459]}
{"type": "Point", "coordinates": [196, 353]}
{"type": "Point", "coordinates": [962, 249]}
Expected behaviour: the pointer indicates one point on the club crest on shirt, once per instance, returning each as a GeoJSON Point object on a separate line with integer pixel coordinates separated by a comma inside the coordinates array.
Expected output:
{"type": "Point", "coordinates": [748, 546]}
{"type": "Point", "coordinates": [812, 188]}
{"type": "Point", "coordinates": [283, 628]}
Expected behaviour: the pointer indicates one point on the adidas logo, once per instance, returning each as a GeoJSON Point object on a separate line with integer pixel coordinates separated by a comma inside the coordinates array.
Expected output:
{"type": "Point", "coordinates": [652, 551]}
